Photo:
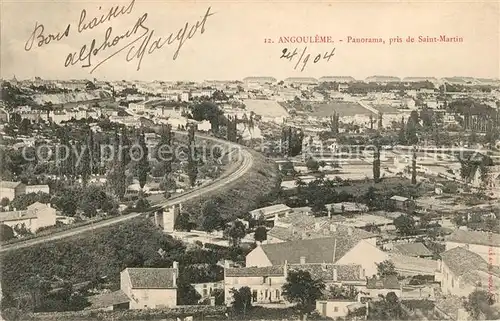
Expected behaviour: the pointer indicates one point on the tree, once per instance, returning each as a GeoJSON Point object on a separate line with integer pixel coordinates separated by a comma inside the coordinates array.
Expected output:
{"type": "Point", "coordinates": [6, 233]}
{"type": "Point", "coordinates": [208, 111]}
{"type": "Point", "coordinates": [116, 178]}
{"type": "Point", "coordinates": [292, 139]}
{"type": "Point", "coordinates": [405, 224]}
{"type": "Point", "coordinates": [376, 163]}
{"type": "Point", "coordinates": [260, 234]}
{"type": "Point", "coordinates": [312, 164]}
{"type": "Point", "coordinates": [287, 168]}
{"type": "Point", "coordinates": [192, 166]}
{"type": "Point", "coordinates": [85, 150]}
{"type": "Point", "coordinates": [218, 294]}
{"type": "Point", "coordinates": [342, 292]}
{"type": "Point", "coordinates": [65, 201]}
{"type": "Point", "coordinates": [21, 202]}
{"type": "Point", "coordinates": [479, 304]}
{"type": "Point", "coordinates": [4, 202]}
{"type": "Point", "coordinates": [242, 300]}
{"type": "Point", "coordinates": [164, 154]}
{"type": "Point", "coordinates": [235, 232]}
{"type": "Point", "coordinates": [143, 162]}
{"type": "Point", "coordinates": [402, 133]}
{"type": "Point", "coordinates": [212, 219]}
{"type": "Point", "coordinates": [186, 293]}
{"type": "Point", "coordinates": [386, 268]}
{"type": "Point", "coordinates": [89, 85]}
{"type": "Point", "coordinates": [182, 222]}
{"type": "Point", "coordinates": [414, 168]}
{"type": "Point", "coordinates": [303, 290]}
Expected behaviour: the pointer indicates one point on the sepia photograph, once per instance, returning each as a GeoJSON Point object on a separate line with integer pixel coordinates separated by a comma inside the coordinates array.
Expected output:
{"type": "Point", "coordinates": [249, 160]}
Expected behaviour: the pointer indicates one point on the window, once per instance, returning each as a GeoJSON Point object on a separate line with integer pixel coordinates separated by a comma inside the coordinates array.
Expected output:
{"type": "Point", "coordinates": [335, 309]}
{"type": "Point", "coordinates": [205, 292]}
{"type": "Point", "coordinates": [278, 295]}
{"type": "Point", "coordinates": [452, 283]}
{"type": "Point", "coordinates": [264, 279]}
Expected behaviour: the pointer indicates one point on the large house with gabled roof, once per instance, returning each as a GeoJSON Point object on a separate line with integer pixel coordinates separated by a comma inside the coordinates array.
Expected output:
{"type": "Point", "coordinates": [461, 272]}
{"type": "Point", "coordinates": [150, 288]}
{"type": "Point", "coordinates": [485, 244]}
{"type": "Point", "coordinates": [338, 249]}
{"type": "Point", "coordinates": [266, 282]}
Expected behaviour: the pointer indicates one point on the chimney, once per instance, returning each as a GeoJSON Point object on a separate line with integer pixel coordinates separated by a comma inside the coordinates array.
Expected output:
{"type": "Point", "coordinates": [349, 231]}
{"type": "Point", "coordinates": [335, 276]}
{"type": "Point", "coordinates": [175, 265]}
{"type": "Point", "coordinates": [333, 228]}
{"type": "Point", "coordinates": [285, 269]}
{"type": "Point", "coordinates": [276, 217]}
{"type": "Point", "coordinates": [317, 226]}
{"type": "Point", "coordinates": [227, 264]}
{"type": "Point", "coordinates": [302, 260]}
{"type": "Point", "coordinates": [329, 209]}
{"type": "Point", "coordinates": [174, 278]}
{"type": "Point", "coordinates": [304, 235]}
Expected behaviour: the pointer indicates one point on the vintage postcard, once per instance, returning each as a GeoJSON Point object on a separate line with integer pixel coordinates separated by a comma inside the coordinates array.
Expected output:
{"type": "Point", "coordinates": [249, 160]}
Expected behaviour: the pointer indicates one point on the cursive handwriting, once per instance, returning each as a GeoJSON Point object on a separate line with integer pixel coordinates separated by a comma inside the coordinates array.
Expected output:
{"type": "Point", "coordinates": [158, 43]}
{"type": "Point", "coordinates": [42, 39]}
{"type": "Point", "coordinates": [86, 53]}
{"type": "Point", "coordinates": [304, 58]}
{"type": "Point", "coordinates": [114, 12]}
{"type": "Point", "coordinates": [135, 52]}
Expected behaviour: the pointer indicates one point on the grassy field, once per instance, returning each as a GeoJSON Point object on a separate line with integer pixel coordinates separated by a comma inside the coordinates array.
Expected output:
{"type": "Point", "coordinates": [266, 108]}
{"type": "Point", "coordinates": [386, 109]}
{"type": "Point", "coordinates": [342, 108]}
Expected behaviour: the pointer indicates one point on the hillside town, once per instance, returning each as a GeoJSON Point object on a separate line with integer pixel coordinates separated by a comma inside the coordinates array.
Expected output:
{"type": "Point", "coordinates": [260, 198]}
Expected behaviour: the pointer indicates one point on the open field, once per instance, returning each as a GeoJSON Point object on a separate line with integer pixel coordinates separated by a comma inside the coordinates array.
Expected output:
{"type": "Point", "coordinates": [342, 108]}
{"type": "Point", "coordinates": [386, 109]}
{"type": "Point", "coordinates": [265, 108]}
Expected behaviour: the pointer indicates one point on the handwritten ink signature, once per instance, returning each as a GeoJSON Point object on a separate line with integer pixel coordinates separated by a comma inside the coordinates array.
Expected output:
{"type": "Point", "coordinates": [141, 39]}
{"type": "Point", "coordinates": [304, 59]}
{"type": "Point", "coordinates": [114, 12]}
{"type": "Point", "coordinates": [136, 52]}
{"type": "Point", "coordinates": [42, 39]}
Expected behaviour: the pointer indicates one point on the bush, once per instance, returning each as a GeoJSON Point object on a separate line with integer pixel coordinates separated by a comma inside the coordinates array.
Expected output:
{"type": "Point", "coordinates": [6, 233]}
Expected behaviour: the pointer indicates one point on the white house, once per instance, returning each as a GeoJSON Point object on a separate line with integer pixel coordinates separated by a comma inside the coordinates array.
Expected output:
{"type": "Point", "coordinates": [462, 271]}
{"type": "Point", "coordinates": [270, 212]}
{"type": "Point", "coordinates": [336, 308]}
{"type": "Point", "coordinates": [150, 288]}
{"type": "Point", "coordinates": [11, 189]}
{"type": "Point", "coordinates": [37, 189]}
{"type": "Point", "coordinates": [206, 290]}
{"type": "Point", "coordinates": [36, 216]}
{"type": "Point", "coordinates": [485, 244]}
{"type": "Point", "coordinates": [266, 282]}
{"type": "Point", "coordinates": [341, 249]}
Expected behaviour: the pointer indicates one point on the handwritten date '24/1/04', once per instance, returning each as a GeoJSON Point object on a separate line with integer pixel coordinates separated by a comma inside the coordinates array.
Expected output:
{"type": "Point", "coordinates": [302, 57]}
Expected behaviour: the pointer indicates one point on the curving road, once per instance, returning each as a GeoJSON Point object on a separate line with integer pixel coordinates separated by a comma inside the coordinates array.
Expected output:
{"type": "Point", "coordinates": [246, 164]}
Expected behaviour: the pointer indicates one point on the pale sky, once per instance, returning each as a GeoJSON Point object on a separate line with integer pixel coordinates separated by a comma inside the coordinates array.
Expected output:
{"type": "Point", "coordinates": [232, 46]}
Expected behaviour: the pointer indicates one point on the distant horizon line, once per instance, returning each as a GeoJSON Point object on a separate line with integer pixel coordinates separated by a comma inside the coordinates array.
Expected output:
{"type": "Point", "coordinates": [255, 77]}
